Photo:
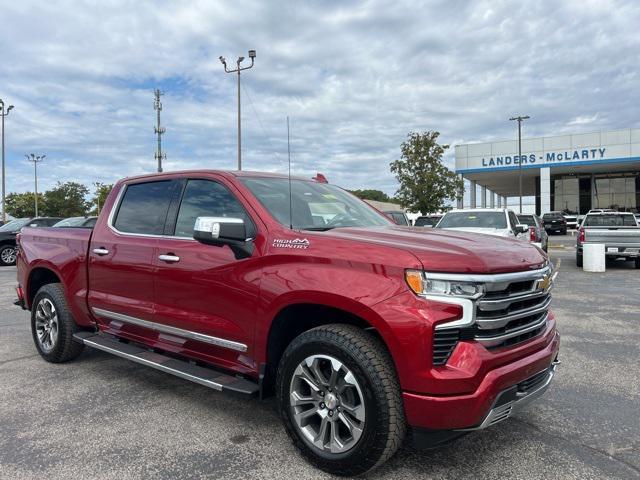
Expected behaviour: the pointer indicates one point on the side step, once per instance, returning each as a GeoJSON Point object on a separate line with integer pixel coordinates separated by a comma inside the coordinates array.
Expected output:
{"type": "Point", "coordinates": [204, 376]}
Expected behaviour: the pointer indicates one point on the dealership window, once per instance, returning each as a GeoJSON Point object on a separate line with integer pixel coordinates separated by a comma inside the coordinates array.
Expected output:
{"type": "Point", "coordinates": [618, 192]}
{"type": "Point", "coordinates": [565, 195]}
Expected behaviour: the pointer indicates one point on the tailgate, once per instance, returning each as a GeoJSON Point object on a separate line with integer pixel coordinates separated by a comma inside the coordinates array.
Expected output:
{"type": "Point", "coordinates": [623, 236]}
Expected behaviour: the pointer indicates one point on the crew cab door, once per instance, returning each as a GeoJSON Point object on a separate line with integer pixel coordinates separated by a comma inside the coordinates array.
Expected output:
{"type": "Point", "coordinates": [204, 291]}
{"type": "Point", "coordinates": [122, 255]}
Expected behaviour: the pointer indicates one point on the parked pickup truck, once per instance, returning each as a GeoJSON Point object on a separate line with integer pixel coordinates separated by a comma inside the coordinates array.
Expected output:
{"type": "Point", "coordinates": [248, 282]}
{"type": "Point", "coordinates": [619, 231]}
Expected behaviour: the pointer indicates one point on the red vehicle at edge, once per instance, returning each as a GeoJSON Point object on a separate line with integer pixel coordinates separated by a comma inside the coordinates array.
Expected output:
{"type": "Point", "coordinates": [246, 282]}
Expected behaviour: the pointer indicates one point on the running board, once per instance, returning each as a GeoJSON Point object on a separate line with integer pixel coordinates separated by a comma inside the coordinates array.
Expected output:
{"type": "Point", "coordinates": [204, 376]}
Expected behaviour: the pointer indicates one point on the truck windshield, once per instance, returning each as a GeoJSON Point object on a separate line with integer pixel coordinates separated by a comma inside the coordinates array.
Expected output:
{"type": "Point", "coordinates": [316, 206]}
{"type": "Point", "coordinates": [14, 225]}
{"type": "Point", "coordinates": [609, 220]}
{"type": "Point", "coordinates": [473, 220]}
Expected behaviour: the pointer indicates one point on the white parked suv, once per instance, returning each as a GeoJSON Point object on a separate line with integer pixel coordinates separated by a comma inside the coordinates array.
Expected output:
{"type": "Point", "coordinates": [501, 222]}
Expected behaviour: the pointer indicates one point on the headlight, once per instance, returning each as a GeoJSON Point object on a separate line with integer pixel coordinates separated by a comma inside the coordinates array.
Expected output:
{"type": "Point", "coordinates": [420, 283]}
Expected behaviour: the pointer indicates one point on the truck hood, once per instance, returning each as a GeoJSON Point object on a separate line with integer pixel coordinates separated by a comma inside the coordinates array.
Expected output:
{"type": "Point", "coordinates": [450, 251]}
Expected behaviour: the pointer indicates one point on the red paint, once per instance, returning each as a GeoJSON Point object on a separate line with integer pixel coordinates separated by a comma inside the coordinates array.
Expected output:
{"type": "Point", "coordinates": [357, 270]}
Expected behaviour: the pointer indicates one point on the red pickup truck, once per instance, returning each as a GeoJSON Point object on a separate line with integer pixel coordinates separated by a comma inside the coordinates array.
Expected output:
{"type": "Point", "coordinates": [259, 284]}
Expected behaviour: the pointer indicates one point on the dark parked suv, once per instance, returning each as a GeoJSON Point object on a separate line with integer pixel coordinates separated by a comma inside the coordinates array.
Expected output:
{"type": "Point", "coordinates": [554, 222]}
{"type": "Point", "coordinates": [9, 231]}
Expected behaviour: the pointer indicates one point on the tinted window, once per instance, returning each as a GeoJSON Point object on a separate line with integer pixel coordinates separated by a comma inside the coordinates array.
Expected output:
{"type": "Point", "coordinates": [426, 221]}
{"type": "Point", "coordinates": [205, 198]}
{"type": "Point", "coordinates": [398, 218]}
{"type": "Point", "coordinates": [14, 225]}
{"type": "Point", "coordinates": [473, 220]}
{"type": "Point", "coordinates": [43, 222]}
{"type": "Point", "coordinates": [144, 208]}
{"type": "Point", "coordinates": [90, 223]}
{"type": "Point", "coordinates": [527, 220]}
{"type": "Point", "coordinates": [609, 221]}
{"type": "Point", "coordinates": [513, 220]}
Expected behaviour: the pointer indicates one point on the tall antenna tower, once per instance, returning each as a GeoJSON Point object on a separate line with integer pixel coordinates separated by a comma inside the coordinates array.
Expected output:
{"type": "Point", "coordinates": [157, 106]}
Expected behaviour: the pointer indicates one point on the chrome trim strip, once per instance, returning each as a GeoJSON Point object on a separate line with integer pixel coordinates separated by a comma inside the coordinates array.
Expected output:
{"type": "Point", "coordinates": [159, 327]}
{"type": "Point", "coordinates": [468, 311]}
{"type": "Point", "coordinates": [496, 340]}
{"type": "Point", "coordinates": [157, 366]}
{"type": "Point", "coordinates": [498, 414]}
{"type": "Point", "coordinates": [494, 304]}
{"type": "Point", "coordinates": [490, 323]}
{"type": "Point", "coordinates": [491, 278]}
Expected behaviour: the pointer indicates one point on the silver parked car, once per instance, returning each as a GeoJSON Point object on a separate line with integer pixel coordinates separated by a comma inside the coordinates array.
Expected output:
{"type": "Point", "coordinates": [537, 234]}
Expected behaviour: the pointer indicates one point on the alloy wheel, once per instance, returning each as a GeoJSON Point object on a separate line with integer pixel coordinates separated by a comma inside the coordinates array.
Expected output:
{"type": "Point", "coordinates": [8, 256]}
{"type": "Point", "coordinates": [327, 404]}
{"type": "Point", "coordinates": [47, 325]}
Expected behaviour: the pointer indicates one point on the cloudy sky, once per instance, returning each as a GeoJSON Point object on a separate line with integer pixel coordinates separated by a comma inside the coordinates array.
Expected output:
{"type": "Point", "coordinates": [355, 78]}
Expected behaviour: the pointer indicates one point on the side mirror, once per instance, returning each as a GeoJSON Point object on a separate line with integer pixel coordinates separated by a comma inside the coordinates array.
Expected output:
{"type": "Point", "coordinates": [220, 231]}
{"type": "Point", "coordinates": [520, 228]}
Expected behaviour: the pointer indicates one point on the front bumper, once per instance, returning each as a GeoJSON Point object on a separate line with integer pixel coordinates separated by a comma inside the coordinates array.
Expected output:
{"type": "Point", "coordinates": [515, 398]}
{"type": "Point", "coordinates": [494, 399]}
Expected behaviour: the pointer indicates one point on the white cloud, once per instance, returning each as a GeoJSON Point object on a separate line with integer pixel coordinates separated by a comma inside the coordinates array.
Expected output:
{"type": "Point", "coordinates": [354, 78]}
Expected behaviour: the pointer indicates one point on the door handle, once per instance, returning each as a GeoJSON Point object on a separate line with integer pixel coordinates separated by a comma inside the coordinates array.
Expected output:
{"type": "Point", "coordinates": [169, 258]}
{"type": "Point", "coordinates": [101, 251]}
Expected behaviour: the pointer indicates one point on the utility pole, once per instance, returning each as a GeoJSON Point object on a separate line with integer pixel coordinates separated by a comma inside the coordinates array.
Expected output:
{"type": "Point", "coordinates": [157, 105]}
{"type": "Point", "coordinates": [35, 159]}
{"type": "Point", "coordinates": [520, 119]}
{"type": "Point", "coordinates": [3, 113]}
{"type": "Point", "coordinates": [252, 56]}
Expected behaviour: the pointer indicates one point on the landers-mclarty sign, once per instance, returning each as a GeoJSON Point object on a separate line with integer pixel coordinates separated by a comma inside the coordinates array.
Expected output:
{"type": "Point", "coordinates": [548, 157]}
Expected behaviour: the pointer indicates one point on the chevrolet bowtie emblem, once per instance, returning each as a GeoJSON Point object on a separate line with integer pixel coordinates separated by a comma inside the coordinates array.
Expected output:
{"type": "Point", "coordinates": [544, 283]}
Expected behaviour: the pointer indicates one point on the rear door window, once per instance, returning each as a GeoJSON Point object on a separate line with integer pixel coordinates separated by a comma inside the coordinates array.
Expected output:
{"type": "Point", "coordinates": [144, 207]}
{"type": "Point", "coordinates": [513, 220]}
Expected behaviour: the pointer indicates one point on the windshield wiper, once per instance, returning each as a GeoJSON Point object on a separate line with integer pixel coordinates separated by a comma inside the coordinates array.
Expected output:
{"type": "Point", "coordinates": [317, 229]}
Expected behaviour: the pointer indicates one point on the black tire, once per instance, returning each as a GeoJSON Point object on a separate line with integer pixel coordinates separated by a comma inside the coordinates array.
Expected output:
{"type": "Point", "coordinates": [367, 359]}
{"type": "Point", "coordinates": [638, 262]}
{"type": "Point", "coordinates": [64, 348]}
{"type": "Point", "coordinates": [5, 252]}
{"type": "Point", "coordinates": [578, 260]}
{"type": "Point", "coordinates": [563, 232]}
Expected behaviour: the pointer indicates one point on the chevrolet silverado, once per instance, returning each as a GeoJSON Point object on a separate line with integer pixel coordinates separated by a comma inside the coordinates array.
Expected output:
{"type": "Point", "coordinates": [258, 284]}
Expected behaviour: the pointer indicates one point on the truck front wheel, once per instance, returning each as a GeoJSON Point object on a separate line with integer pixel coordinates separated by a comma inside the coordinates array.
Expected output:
{"type": "Point", "coordinates": [52, 325]}
{"type": "Point", "coordinates": [340, 399]}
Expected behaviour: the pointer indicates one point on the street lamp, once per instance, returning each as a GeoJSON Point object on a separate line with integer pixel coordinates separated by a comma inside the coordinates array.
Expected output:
{"type": "Point", "coordinates": [520, 119]}
{"type": "Point", "coordinates": [238, 69]}
{"type": "Point", "coordinates": [35, 159]}
{"type": "Point", "coordinates": [3, 114]}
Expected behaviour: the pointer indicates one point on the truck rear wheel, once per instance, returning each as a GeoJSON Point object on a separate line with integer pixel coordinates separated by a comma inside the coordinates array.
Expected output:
{"type": "Point", "coordinates": [52, 325]}
{"type": "Point", "coordinates": [578, 260]}
{"type": "Point", "coordinates": [340, 399]}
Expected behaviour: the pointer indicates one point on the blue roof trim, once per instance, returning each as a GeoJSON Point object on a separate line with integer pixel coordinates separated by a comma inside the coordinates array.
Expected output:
{"type": "Point", "coordinates": [551, 165]}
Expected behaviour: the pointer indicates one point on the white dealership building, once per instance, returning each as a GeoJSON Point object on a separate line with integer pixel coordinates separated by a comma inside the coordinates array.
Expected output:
{"type": "Point", "coordinates": [570, 173]}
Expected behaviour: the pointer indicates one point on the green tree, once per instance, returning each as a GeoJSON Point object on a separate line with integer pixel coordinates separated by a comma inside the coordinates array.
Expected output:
{"type": "Point", "coordinates": [425, 182]}
{"type": "Point", "coordinates": [66, 200]}
{"type": "Point", "coordinates": [371, 194]}
{"type": "Point", "coordinates": [100, 196]}
{"type": "Point", "coordinates": [21, 205]}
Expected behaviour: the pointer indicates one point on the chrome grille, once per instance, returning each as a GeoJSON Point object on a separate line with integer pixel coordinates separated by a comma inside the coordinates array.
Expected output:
{"type": "Point", "coordinates": [513, 309]}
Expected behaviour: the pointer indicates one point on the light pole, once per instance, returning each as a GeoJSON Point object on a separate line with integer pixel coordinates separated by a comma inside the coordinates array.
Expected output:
{"type": "Point", "coordinates": [520, 119]}
{"type": "Point", "coordinates": [252, 56]}
{"type": "Point", "coordinates": [35, 159]}
{"type": "Point", "coordinates": [3, 113]}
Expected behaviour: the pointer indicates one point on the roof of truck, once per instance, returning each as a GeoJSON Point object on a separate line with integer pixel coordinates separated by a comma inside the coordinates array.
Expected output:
{"type": "Point", "coordinates": [234, 173]}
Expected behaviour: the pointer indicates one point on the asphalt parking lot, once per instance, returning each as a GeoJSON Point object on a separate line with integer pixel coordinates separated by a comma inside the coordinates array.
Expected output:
{"type": "Point", "coordinates": [102, 417]}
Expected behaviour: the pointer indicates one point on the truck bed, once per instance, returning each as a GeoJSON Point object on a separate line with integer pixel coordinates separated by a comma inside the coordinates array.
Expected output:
{"type": "Point", "coordinates": [61, 250]}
